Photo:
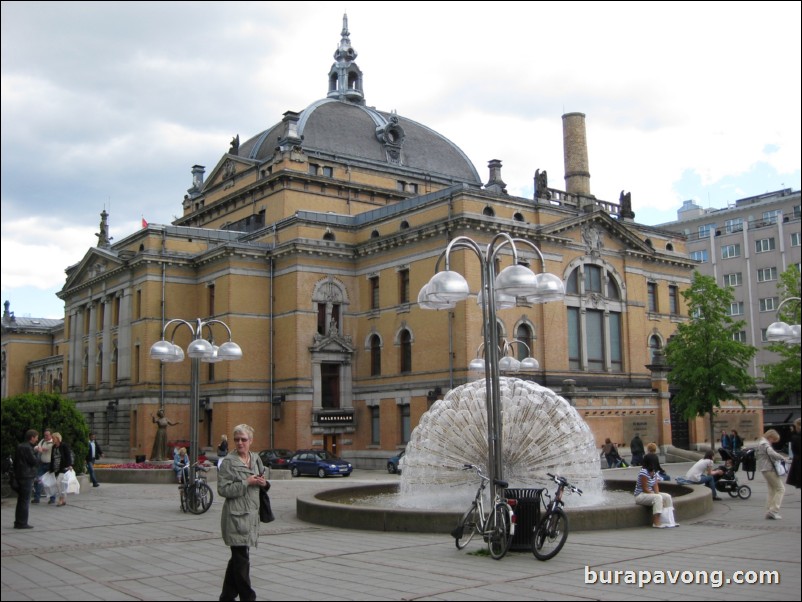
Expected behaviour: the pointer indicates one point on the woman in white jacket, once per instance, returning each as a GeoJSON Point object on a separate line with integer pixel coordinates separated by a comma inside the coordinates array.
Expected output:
{"type": "Point", "coordinates": [238, 480]}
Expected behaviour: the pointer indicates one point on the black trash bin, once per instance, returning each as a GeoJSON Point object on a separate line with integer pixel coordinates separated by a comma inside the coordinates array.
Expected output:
{"type": "Point", "coordinates": [527, 515]}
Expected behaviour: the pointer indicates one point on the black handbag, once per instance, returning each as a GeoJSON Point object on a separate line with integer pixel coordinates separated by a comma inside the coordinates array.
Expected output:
{"type": "Point", "coordinates": [265, 512]}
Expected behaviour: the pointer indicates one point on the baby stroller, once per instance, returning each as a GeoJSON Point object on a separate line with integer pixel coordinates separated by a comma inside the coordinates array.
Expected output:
{"type": "Point", "coordinates": [728, 482]}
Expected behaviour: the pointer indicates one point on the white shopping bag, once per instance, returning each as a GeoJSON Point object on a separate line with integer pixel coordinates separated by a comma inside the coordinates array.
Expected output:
{"type": "Point", "coordinates": [50, 484]}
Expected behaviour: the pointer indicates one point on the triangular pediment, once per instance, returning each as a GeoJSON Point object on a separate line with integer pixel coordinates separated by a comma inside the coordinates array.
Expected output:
{"type": "Point", "coordinates": [590, 227]}
{"type": "Point", "coordinates": [95, 263]}
{"type": "Point", "coordinates": [226, 170]}
{"type": "Point", "coordinates": [332, 343]}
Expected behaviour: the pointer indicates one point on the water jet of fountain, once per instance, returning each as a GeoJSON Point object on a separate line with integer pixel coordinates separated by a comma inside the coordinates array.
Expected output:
{"type": "Point", "coordinates": [541, 433]}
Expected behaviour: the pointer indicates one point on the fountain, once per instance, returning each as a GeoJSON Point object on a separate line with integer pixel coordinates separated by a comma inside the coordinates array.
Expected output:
{"type": "Point", "coordinates": [541, 433]}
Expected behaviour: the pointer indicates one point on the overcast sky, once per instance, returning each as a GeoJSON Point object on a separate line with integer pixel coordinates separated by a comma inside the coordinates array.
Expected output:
{"type": "Point", "coordinates": [109, 104]}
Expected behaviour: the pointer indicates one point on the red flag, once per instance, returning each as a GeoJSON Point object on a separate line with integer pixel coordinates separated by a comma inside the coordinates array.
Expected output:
{"type": "Point", "coordinates": [144, 223]}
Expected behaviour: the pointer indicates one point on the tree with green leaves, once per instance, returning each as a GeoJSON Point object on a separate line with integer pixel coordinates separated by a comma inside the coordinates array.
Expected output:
{"type": "Point", "coordinates": [783, 376]}
{"type": "Point", "coordinates": [40, 411]}
{"type": "Point", "coordinates": [709, 364]}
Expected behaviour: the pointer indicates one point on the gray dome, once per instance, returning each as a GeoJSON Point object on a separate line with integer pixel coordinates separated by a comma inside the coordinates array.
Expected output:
{"type": "Point", "coordinates": [351, 132]}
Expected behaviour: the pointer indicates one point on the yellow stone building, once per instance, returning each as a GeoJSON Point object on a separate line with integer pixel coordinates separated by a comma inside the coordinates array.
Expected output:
{"type": "Point", "coordinates": [311, 240]}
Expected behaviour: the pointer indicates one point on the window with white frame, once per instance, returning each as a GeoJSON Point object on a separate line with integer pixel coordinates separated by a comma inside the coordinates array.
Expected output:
{"type": "Point", "coordinates": [734, 225]}
{"type": "Point", "coordinates": [700, 256]}
{"type": "Point", "coordinates": [739, 336]}
{"type": "Point", "coordinates": [737, 308]}
{"type": "Point", "coordinates": [704, 231]}
{"type": "Point", "coordinates": [795, 239]}
{"type": "Point", "coordinates": [768, 304]}
{"type": "Point", "coordinates": [763, 337]}
{"type": "Point", "coordinates": [766, 274]}
{"type": "Point", "coordinates": [771, 217]}
{"type": "Point", "coordinates": [734, 279]}
{"type": "Point", "coordinates": [764, 245]}
{"type": "Point", "coordinates": [730, 251]}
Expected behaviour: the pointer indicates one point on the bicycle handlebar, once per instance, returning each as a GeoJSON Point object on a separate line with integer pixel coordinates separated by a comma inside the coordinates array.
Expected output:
{"type": "Point", "coordinates": [562, 482]}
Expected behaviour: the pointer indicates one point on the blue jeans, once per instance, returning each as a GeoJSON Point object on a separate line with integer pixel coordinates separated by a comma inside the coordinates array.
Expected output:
{"type": "Point", "coordinates": [710, 481]}
{"type": "Point", "coordinates": [90, 467]}
{"type": "Point", "coordinates": [38, 489]}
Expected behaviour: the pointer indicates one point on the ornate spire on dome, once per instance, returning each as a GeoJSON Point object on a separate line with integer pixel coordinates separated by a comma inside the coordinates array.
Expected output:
{"type": "Point", "coordinates": [345, 78]}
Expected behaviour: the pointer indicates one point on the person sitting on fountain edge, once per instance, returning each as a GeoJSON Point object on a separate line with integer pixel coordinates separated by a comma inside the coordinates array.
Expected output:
{"type": "Point", "coordinates": [647, 493]}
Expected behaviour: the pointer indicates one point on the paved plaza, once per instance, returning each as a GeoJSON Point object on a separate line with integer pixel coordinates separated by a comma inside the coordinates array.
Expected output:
{"type": "Point", "coordinates": [132, 542]}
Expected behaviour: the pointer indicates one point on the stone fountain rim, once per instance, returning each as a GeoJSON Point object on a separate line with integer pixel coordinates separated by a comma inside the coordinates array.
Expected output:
{"type": "Point", "coordinates": [689, 502]}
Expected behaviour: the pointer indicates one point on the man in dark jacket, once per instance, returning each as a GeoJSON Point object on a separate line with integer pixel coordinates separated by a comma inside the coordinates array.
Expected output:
{"type": "Point", "coordinates": [25, 466]}
{"type": "Point", "coordinates": [93, 454]}
{"type": "Point", "coordinates": [636, 447]}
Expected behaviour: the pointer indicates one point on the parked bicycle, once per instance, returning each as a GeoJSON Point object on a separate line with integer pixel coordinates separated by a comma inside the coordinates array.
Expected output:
{"type": "Point", "coordinates": [196, 495]}
{"type": "Point", "coordinates": [496, 527]}
{"type": "Point", "coordinates": [552, 530]}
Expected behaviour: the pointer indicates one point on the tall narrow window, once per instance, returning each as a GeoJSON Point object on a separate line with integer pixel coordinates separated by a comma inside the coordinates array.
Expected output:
{"type": "Point", "coordinates": [403, 286]}
{"type": "Point", "coordinates": [211, 299]}
{"type": "Point", "coordinates": [375, 426]}
{"type": "Point", "coordinates": [330, 385]}
{"type": "Point", "coordinates": [593, 279]}
{"type": "Point", "coordinates": [651, 289]}
{"type": "Point", "coordinates": [405, 422]}
{"type": "Point", "coordinates": [374, 292]}
{"type": "Point", "coordinates": [375, 356]}
{"type": "Point", "coordinates": [524, 334]}
{"type": "Point", "coordinates": [406, 351]}
{"type": "Point", "coordinates": [115, 316]}
{"type": "Point", "coordinates": [673, 300]}
{"type": "Point", "coordinates": [138, 304]}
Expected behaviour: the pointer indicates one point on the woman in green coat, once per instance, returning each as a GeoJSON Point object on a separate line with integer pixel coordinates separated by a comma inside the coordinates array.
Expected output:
{"type": "Point", "coordinates": [238, 480]}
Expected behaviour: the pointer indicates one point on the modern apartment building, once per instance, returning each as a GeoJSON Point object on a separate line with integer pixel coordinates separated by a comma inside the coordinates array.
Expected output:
{"type": "Point", "coordinates": [746, 246]}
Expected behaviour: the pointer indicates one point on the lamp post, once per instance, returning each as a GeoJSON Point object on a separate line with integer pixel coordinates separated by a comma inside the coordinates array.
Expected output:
{"type": "Point", "coordinates": [198, 350]}
{"type": "Point", "coordinates": [500, 291]}
{"type": "Point", "coordinates": [780, 332]}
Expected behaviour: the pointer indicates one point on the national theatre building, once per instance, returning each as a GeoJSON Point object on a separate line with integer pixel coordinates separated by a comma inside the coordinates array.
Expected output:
{"type": "Point", "coordinates": [311, 240]}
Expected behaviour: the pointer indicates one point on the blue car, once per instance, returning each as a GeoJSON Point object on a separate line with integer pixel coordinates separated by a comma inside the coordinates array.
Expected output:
{"type": "Point", "coordinates": [318, 462]}
{"type": "Point", "coordinates": [394, 464]}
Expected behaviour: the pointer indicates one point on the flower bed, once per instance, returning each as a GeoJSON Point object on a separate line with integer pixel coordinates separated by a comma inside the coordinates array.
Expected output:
{"type": "Point", "coordinates": [133, 466]}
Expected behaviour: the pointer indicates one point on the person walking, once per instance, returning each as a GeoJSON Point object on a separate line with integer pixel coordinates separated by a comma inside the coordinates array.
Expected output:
{"type": "Point", "coordinates": [610, 453]}
{"type": "Point", "coordinates": [44, 449]}
{"type": "Point", "coordinates": [94, 453]}
{"type": "Point", "coordinates": [238, 480]}
{"type": "Point", "coordinates": [766, 456]}
{"type": "Point", "coordinates": [726, 442]}
{"type": "Point", "coordinates": [636, 446]}
{"type": "Point", "coordinates": [60, 462]}
{"type": "Point", "coordinates": [25, 469]}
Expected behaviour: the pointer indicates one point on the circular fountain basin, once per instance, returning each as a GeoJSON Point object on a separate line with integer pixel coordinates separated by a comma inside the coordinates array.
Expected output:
{"type": "Point", "coordinates": [331, 508]}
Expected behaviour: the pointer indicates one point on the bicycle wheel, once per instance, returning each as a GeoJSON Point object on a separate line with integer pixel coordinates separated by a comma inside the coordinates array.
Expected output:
{"type": "Point", "coordinates": [499, 537]}
{"type": "Point", "coordinates": [467, 527]}
{"type": "Point", "coordinates": [550, 535]}
{"type": "Point", "coordinates": [200, 498]}
{"type": "Point", "coordinates": [183, 496]}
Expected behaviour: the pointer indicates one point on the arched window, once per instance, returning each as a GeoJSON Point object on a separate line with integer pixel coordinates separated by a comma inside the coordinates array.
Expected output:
{"type": "Point", "coordinates": [595, 306]}
{"type": "Point", "coordinates": [518, 217]}
{"type": "Point", "coordinates": [375, 355]}
{"type": "Point", "coordinates": [654, 344]}
{"type": "Point", "coordinates": [524, 334]}
{"type": "Point", "coordinates": [405, 341]}
{"type": "Point", "coordinates": [488, 211]}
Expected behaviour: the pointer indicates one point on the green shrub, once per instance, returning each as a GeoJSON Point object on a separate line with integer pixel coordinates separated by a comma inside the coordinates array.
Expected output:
{"type": "Point", "coordinates": [40, 411]}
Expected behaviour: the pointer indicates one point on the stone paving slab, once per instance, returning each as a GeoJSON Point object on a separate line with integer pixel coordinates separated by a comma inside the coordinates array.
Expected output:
{"type": "Point", "coordinates": [132, 542]}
